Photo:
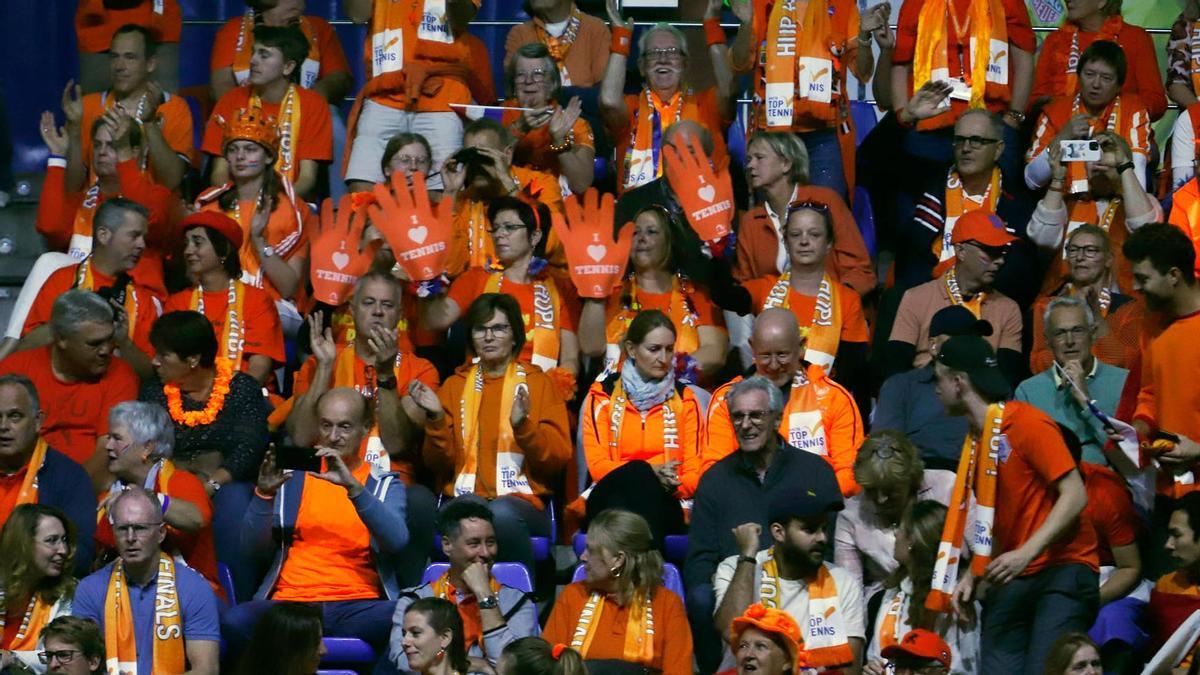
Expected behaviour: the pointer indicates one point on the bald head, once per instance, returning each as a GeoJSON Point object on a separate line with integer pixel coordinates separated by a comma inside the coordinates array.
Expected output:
{"type": "Point", "coordinates": [685, 130]}
{"type": "Point", "coordinates": [343, 419]}
{"type": "Point", "coordinates": [777, 345]}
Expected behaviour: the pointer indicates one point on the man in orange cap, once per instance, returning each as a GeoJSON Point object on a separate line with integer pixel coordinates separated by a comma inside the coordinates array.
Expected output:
{"type": "Point", "coordinates": [919, 651]}
{"type": "Point", "coordinates": [766, 641]}
{"type": "Point", "coordinates": [980, 240]}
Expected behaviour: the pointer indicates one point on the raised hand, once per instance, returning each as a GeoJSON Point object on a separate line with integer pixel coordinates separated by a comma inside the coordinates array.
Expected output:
{"type": "Point", "coordinates": [428, 401]}
{"type": "Point", "coordinates": [706, 195]}
{"type": "Point", "coordinates": [520, 406]}
{"type": "Point", "coordinates": [119, 122]}
{"type": "Point", "coordinates": [747, 536]}
{"type": "Point", "coordinates": [337, 472]}
{"type": "Point", "coordinates": [270, 476]}
{"type": "Point", "coordinates": [1119, 147]}
{"type": "Point", "coordinates": [594, 260]}
{"type": "Point", "coordinates": [72, 103]}
{"type": "Point", "coordinates": [54, 137]}
{"type": "Point", "coordinates": [320, 342]}
{"type": "Point", "coordinates": [927, 101]}
{"type": "Point", "coordinates": [418, 235]}
{"type": "Point", "coordinates": [563, 120]}
{"type": "Point", "coordinates": [743, 10]}
{"type": "Point", "coordinates": [153, 98]}
{"type": "Point", "coordinates": [337, 257]}
{"type": "Point", "coordinates": [1077, 128]}
{"type": "Point", "coordinates": [614, 15]}
{"type": "Point", "coordinates": [384, 345]}
{"type": "Point", "coordinates": [876, 18]}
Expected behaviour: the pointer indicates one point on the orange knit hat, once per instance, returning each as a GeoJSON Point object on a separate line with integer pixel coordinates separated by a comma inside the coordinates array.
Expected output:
{"type": "Point", "coordinates": [776, 622]}
{"type": "Point", "coordinates": [251, 124]}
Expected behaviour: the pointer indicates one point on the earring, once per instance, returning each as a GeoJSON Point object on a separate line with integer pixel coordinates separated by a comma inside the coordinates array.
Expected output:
{"type": "Point", "coordinates": [616, 572]}
{"type": "Point", "coordinates": [441, 654]}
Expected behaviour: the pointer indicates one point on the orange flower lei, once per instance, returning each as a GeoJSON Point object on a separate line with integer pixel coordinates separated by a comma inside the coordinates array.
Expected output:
{"type": "Point", "coordinates": [216, 400]}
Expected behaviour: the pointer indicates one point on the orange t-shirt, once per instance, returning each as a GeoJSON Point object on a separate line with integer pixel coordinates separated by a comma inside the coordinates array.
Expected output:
{"type": "Point", "coordinates": [10, 487]}
{"type": "Point", "coordinates": [707, 313]}
{"type": "Point", "coordinates": [262, 333]}
{"type": "Point", "coordinates": [672, 634]}
{"type": "Point", "coordinates": [1110, 507]}
{"type": "Point", "coordinates": [63, 280]}
{"type": "Point", "coordinates": [472, 283]}
{"type": "Point", "coordinates": [330, 555]}
{"type": "Point", "coordinates": [1170, 393]}
{"type": "Point", "coordinates": [1025, 491]}
{"type": "Point", "coordinates": [197, 548]}
{"type": "Point", "coordinates": [174, 112]}
{"type": "Point", "coordinates": [330, 55]}
{"type": "Point", "coordinates": [95, 23]}
{"type": "Point", "coordinates": [314, 140]}
{"type": "Point", "coordinates": [533, 148]}
{"type": "Point", "coordinates": [76, 412]}
{"type": "Point", "coordinates": [854, 322]}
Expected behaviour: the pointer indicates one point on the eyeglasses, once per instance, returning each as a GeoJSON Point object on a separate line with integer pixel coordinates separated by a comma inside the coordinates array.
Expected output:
{"type": "Point", "coordinates": [535, 76]}
{"type": "Point", "coordinates": [138, 530]}
{"type": "Point", "coordinates": [495, 331]}
{"type": "Point", "coordinates": [411, 161]}
{"type": "Point", "coordinates": [668, 55]}
{"type": "Point", "coordinates": [975, 141]}
{"type": "Point", "coordinates": [1074, 251]}
{"type": "Point", "coordinates": [992, 252]}
{"type": "Point", "coordinates": [756, 417]}
{"type": "Point", "coordinates": [63, 656]}
{"type": "Point", "coordinates": [1076, 333]}
{"type": "Point", "coordinates": [55, 540]}
{"type": "Point", "coordinates": [505, 229]}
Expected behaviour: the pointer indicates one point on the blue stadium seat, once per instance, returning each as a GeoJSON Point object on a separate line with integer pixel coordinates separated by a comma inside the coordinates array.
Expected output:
{"type": "Point", "coordinates": [864, 215]}
{"type": "Point", "coordinates": [675, 546]}
{"type": "Point", "coordinates": [343, 650]}
{"type": "Point", "coordinates": [670, 578]}
{"type": "Point", "coordinates": [865, 116]}
{"type": "Point", "coordinates": [225, 578]}
{"type": "Point", "coordinates": [541, 545]}
{"type": "Point", "coordinates": [508, 573]}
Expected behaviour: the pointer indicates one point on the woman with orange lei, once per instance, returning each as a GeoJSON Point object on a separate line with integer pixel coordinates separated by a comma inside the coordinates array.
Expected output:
{"type": "Point", "coordinates": [36, 584]}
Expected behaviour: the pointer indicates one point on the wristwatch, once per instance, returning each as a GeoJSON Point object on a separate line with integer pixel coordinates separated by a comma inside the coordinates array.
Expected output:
{"type": "Point", "coordinates": [268, 251]}
{"type": "Point", "coordinates": [747, 559]}
{"type": "Point", "coordinates": [214, 485]}
{"type": "Point", "coordinates": [490, 602]}
{"type": "Point", "coordinates": [1123, 166]}
{"type": "Point", "coordinates": [387, 381]}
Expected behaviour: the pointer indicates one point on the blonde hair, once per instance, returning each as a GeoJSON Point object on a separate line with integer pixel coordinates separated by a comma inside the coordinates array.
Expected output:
{"type": "Point", "coordinates": [620, 531]}
{"type": "Point", "coordinates": [888, 458]}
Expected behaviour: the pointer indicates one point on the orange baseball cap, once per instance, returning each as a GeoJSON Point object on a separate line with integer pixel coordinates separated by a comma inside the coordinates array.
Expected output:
{"type": "Point", "coordinates": [775, 622]}
{"type": "Point", "coordinates": [920, 644]}
{"type": "Point", "coordinates": [982, 227]}
{"type": "Point", "coordinates": [228, 227]}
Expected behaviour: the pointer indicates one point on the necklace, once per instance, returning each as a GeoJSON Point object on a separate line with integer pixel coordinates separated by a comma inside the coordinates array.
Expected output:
{"type": "Point", "coordinates": [212, 408]}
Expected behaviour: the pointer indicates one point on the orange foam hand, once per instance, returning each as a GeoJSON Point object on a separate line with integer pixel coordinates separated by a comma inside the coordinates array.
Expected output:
{"type": "Point", "coordinates": [594, 259]}
{"type": "Point", "coordinates": [418, 235]}
{"type": "Point", "coordinates": [705, 194]}
{"type": "Point", "coordinates": [338, 256]}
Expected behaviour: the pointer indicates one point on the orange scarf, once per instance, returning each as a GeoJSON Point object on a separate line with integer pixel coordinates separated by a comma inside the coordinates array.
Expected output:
{"type": "Point", "coordinates": [671, 409]}
{"type": "Point", "coordinates": [284, 229]}
{"type": "Point", "coordinates": [349, 371]}
{"type": "Point", "coordinates": [543, 323]}
{"type": "Point", "coordinates": [894, 626]}
{"type": "Point", "coordinates": [803, 73]}
{"type": "Point", "coordinates": [1109, 30]}
{"type": "Point", "coordinates": [983, 25]}
{"type": "Point", "coordinates": [825, 638]}
{"type": "Point", "coordinates": [1194, 53]}
{"type": "Point", "coordinates": [85, 280]}
{"type": "Point", "coordinates": [244, 49]}
{"type": "Point", "coordinates": [119, 642]}
{"type": "Point", "coordinates": [160, 478]}
{"type": "Point", "coordinates": [639, 628]}
{"type": "Point", "coordinates": [825, 327]}
{"type": "Point", "coordinates": [289, 131]}
{"type": "Point", "coordinates": [509, 458]}
{"type": "Point", "coordinates": [803, 422]}
{"type": "Point", "coordinates": [28, 494]}
{"type": "Point", "coordinates": [81, 232]}
{"type": "Point", "coordinates": [1109, 120]}
{"type": "Point", "coordinates": [681, 312]}
{"type": "Point", "coordinates": [559, 46]}
{"type": "Point", "coordinates": [643, 158]}
{"type": "Point", "coordinates": [975, 304]}
{"type": "Point", "coordinates": [233, 340]}
{"type": "Point", "coordinates": [37, 615]}
{"type": "Point", "coordinates": [468, 609]}
{"type": "Point", "coordinates": [977, 474]}
{"type": "Point", "coordinates": [958, 203]}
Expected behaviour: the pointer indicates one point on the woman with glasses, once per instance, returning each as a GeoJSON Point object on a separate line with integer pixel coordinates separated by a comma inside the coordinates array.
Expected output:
{"type": "Point", "coordinates": [497, 428]}
{"type": "Point", "coordinates": [638, 121]}
{"type": "Point", "coordinates": [655, 280]}
{"type": "Point", "coordinates": [550, 138]}
{"type": "Point", "coordinates": [36, 585]}
{"type": "Point", "coordinates": [620, 614]}
{"type": "Point", "coordinates": [1089, 263]}
{"type": "Point", "coordinates": [549, 307]}
{"type": "Point", "coordinates": [903, 606]}
{"type": "Point", "coordinates": [893, 478]}
{"type": "Point", "coordinates": [642, 431]}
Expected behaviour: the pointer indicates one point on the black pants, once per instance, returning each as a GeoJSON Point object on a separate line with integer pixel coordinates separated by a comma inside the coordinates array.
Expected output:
{"type": "Point", "coordinates": [635, 487]}
{"type": "Point", "coordinates": [1022, 618]}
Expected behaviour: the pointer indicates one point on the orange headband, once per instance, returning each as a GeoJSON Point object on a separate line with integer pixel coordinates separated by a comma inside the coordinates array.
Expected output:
{"type": "Point", "coordinates": [557, 650]}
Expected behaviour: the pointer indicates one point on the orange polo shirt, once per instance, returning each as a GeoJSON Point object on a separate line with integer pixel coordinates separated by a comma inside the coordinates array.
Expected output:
{"type": "Point", "coordinates": [330, 555]}
{"type": "Point", "coordinates": [854, 323]}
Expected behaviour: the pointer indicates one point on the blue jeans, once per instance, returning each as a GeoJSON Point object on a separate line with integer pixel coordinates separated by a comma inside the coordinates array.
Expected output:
{"type": "Point", "coordinates": [1022, 618]}
{"type": "Point", "coordinates": [825, 160]}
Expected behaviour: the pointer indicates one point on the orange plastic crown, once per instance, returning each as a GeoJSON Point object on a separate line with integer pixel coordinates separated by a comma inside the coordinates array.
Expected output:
{"type": "Point", "coordinates": [250, 124]}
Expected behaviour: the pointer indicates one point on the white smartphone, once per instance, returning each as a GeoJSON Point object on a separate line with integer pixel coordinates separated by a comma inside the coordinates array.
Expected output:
{"type": "Point", "coordinates": [1086, 150]}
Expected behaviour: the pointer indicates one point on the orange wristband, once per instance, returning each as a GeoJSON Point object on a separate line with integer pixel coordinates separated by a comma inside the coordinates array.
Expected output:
{"type": "Point", "coordinates": [714, 35]}
{"type": "Point", "coordinates": [622, 40]}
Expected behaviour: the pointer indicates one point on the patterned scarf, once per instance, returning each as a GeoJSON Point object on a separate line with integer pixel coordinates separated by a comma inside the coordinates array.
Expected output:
{"type": "Point", "coordinates": [559, 46]}
{"type": "Point", "coordinates": [543, 322]}
{"type": "Point", "coordinates": [233, 339]}
{"type": "Point", "coordinates": [509, 457]}
{"type": "Point", "coordinates": [121, 646]}
{"type": "Point", "coordinates": [825, 637]}
{"type": "Point", "coordinates": [825, 328]}
{"type": "Point", "coordinates": [639, 628]}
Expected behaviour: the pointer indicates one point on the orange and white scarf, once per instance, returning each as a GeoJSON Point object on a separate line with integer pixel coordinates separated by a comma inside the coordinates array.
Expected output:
{"type": "Point", "coordinates": [954, 293]}
{"type": "Point", "coordinates": [894, 626]}
{"type": "Point", "coordinates": [244, 48]}
{"type": "Point", "coordinates": [643, 159]}
{"type": "Point", "coordinates": [284, 242]}
{"type": "Point", "coordinates": [544, 320]}
{"type": "Point", "coordinates": [958, 203]}
{"type": "Point", "coordinates": [233, 339]}
{"type": "Point", "coordinates": [801, 73]}
{"type": "Point", "coordinates": [157, 481]}
{"type": "Point", "coordinates": [825, 328]}
{"type": "Point", "coordinates": [559, 46]}
{"type": "Point", "coordinates": [1109, 30]}
{"type": "Point", "coordinates": [85, 280]}
{"type": "Point", "coordinates": [1083, 211]}
{"type": "Point", "coordinates": [803, 423]}
{"type": "Point", "coordinates": [639, 628]}
{"type": "Point", "coordinates": [1194, 53]}
{"type": "Point", "coordinates": [824, 637]}
{"type": "Point", "coordinates": [80, 245]}
{"type": "Point", "coordinates": [349, 371]}
{"type": "Point", "coordinates": [681, 312]}
{"type": "Point", "coordinates": [510, 478]}
{"type": "Point", "coordinates": [1108, 120]}
{"type": "Point", "coordinates": [977, 475]}
{"type": "Point", "coordinates": [37, 615]}
{"type": "Point", "coordinates": [28, 494]}
{"type": "Point", "coordinates": [289, 131]}
{"type": "Point", "coordinates": [468, 609]}
{"type": "Point", "coordinates": [985, 35]}
{"type": "Point", "coordinates": [671, 409]}
{"type": "Point", "coordinates": [120, 644]}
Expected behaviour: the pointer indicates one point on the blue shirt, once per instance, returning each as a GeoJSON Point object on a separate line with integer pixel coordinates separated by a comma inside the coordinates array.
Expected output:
{"type": "Point", "coordinates": [908, 403]}
{"type": "Point", "coordinates": [196, 601]}
{"type": "Point", "coordinates": [1053, 397]}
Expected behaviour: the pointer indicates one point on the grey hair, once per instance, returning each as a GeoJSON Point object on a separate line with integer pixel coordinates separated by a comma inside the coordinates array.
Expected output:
{"type": "Point", "coordinates": [790, 148]}
{"type": "Point", "coordinates": [533, 50]}
{"type": "Point", "coordinates": [133, 492]}
{"type": "Point", "coordinates": [1069, 301]}
{"type": "Point", "coordinates": [78, 306]}
{"type": "Point", "coordinates": [993, 119]}
{"type": "Point", "coordinates": [757, 383]}
{"type": "Point", "coordinates": [111, 214]}
{"type": "Point", "coordinates": [680, 39]}
{"type": "Point", "coordinates": [146, 423]}
{"type": "Point", "coordinates": [21, 381]}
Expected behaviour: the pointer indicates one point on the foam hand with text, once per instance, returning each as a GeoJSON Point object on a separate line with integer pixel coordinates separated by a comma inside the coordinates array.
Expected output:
{"type": "Point", "coordinates": [705, 194]}
{"type": "Point", "coordinates": [338, 256]}
{"type": "Point", "coordinates": [594, 260]}
{"type": "Point", "coordinates": [418, 234]}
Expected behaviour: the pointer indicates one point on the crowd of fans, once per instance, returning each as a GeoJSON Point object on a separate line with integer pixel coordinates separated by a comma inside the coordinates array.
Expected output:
{"type": "Point", "coordinates": [257, 386]}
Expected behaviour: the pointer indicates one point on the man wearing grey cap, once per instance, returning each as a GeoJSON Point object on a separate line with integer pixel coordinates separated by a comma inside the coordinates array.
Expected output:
{"type": "Point", "coordinates": [1033, 561]}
